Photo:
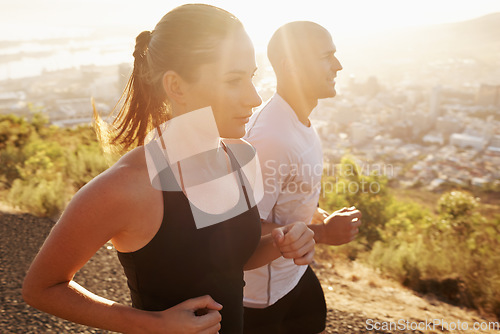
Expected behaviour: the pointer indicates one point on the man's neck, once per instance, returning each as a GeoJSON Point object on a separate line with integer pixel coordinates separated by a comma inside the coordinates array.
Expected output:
{"type": "Point", "coordinates": [301, 105]}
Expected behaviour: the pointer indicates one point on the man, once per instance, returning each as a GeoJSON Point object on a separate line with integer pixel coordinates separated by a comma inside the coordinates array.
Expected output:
{"type": "Point", "coordinates": [283, 297]}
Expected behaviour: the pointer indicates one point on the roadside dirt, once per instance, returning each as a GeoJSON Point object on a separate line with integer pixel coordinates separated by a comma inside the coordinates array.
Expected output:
{"type": "Point", "coordinates": [359, 299]}
{"type": "Point", "coordinates": [356, 289]}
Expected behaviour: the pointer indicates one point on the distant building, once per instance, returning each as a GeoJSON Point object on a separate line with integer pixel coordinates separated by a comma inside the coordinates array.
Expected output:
{"type": "Point", "coordinates": [345, 113]}
{"type": "Point", "coordinates": [72, 108]}
{"type": "Point", "coordinates": [369, 88]}
{"type": "Point", "coordinates": [360, 133]}
{"type": "Point", "coordinates": [494, 146]}
{"type": "Point", "coordinates": [488, 95]}
{"type": "Point", "coordinates": [448, 125]}
{"type": "Point", "coordinates": [105, 87]}
{"type": "Point", "coordinates": [435, 102]}
{"type": "Point", "coordinates": [420, 121]}
{"type": "Point", "coordinates": [11, 101]}
{"type": "Point", "coordinates": [372, 86]}
{"type": "Point", "coordinates": [73, 122]}
{"type": "Point", "coordinates": [479, 182]}
{"type": "Point", "coordinates": [467, 141]}
{"type": "Point", "coordinates": [433, 139]}
{"type": "Point", "coordinates": [495, 141]}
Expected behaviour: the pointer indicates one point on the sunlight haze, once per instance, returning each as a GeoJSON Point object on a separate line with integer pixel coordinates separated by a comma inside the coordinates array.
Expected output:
{"type": "Point", "coordinates": [30, 19]}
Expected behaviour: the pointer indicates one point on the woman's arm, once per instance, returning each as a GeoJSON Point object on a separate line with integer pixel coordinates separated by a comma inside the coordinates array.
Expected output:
{"type": "Point", "coordinates": [94, 216]}
{"type": "Point", "coordinates": [104, 209]}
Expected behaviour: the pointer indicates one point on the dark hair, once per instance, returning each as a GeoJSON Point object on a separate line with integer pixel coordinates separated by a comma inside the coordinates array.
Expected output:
{"type": "Point", "coordinates": [183, 40]}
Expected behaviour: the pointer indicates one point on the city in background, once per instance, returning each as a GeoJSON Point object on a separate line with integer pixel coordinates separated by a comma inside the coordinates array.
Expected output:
{"type": "Point", "coordinates": [418, 101]}
{"type": "Point", "coordinates": [423, 100]}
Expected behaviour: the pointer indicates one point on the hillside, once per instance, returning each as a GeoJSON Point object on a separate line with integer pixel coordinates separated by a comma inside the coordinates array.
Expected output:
{"type": "Point", "coordinates": [475, 39]}
{"type": "Point", "coordinates": [470, 47]}
{"type": "Point", "coordinates": [357, 296]}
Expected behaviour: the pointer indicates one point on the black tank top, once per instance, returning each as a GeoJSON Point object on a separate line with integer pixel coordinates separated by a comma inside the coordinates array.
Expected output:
{"type": "Point", "coordinates": [183, 262]}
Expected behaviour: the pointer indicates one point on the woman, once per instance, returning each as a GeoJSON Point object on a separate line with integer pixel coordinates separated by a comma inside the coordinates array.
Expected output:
{"type": "Point", "coordinates": [183, 259]}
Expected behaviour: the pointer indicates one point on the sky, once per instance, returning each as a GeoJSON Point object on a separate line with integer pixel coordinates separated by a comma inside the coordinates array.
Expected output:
{"type": "Point", "coordinates": [25, 19]}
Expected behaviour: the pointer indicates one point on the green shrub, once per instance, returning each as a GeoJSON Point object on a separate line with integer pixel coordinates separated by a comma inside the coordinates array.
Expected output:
{"type": "Point", "coordinates": [422, 249]}
{"type": "Point", "coordinates": [458, 244]}
{"type": "Point", "coordinates": [369, 193]}
{"type": "Point", "coordinates": [85, 163]}
{"type": "Point", "coordinates": [41, 197]}
{"type": "Point", "coordinates": [42, 166]}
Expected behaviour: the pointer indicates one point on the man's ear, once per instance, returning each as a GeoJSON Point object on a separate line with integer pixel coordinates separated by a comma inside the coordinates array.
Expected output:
{"type": "Point", "coordinates": [288, 65]}
{"type": "Point", "coordinates": [174, 86]}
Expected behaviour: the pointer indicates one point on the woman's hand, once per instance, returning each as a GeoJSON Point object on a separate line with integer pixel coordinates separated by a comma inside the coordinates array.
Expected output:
{"type": "Point", "coordinates": [295, 241]}
{"type": "Point", "coordinates": [196, 315]}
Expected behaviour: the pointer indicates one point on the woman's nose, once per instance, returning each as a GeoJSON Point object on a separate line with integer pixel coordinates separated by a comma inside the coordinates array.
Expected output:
{"type": "Point", "coordinates": [253, 100]}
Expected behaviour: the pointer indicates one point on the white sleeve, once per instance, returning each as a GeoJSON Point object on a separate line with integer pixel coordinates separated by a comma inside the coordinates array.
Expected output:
{"type": "Point", "coordinates": [276, 171]}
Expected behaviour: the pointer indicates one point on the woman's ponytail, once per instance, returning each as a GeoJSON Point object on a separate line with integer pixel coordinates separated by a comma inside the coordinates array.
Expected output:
{"type": "Point", "coordinates": [143, 107]}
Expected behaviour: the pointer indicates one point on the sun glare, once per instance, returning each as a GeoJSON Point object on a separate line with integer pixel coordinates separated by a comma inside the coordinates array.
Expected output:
{"type": "Point", "coordinates": [72, 20]}
{"type": "Point", "coordinates": [261, 18]}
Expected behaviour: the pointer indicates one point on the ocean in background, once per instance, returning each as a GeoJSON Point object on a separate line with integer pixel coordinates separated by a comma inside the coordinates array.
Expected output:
{"type": "Point", "coordinates": [21, 59]}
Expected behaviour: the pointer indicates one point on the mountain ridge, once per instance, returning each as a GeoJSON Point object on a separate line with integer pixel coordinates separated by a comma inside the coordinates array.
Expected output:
{"type": "Point", "coordinates": [471, 46]}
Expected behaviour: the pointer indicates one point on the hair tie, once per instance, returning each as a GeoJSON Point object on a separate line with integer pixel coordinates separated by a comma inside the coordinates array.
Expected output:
{"type": "Point", "coordinates": [142, 43]}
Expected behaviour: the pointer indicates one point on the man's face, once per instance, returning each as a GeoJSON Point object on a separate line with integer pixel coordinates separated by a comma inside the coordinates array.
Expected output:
{"type": "Point", "coordinates": [317, 66]}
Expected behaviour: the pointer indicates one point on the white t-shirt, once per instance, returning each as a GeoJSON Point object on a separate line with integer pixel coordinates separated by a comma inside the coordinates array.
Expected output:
{"type": "Point", "coordinates": [291, 161]}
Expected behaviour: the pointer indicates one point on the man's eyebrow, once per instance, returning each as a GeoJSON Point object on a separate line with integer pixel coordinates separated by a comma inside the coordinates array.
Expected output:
{"type": "Point", "coordinates": [239, 72]}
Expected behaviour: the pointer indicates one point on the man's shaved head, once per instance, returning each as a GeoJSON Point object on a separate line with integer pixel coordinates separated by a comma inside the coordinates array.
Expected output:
{"type": "Point", "coordinates": [294, 41]}
{"type": "Point", "coordinates": [302, 54]}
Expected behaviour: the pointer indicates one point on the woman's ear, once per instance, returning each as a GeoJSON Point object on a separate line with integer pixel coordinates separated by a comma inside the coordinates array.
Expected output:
{"type": "Point", "coordinates": [174, 87]}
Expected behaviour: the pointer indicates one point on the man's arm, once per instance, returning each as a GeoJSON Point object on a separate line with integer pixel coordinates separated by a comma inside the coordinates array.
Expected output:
{"type": "Point", "coordinates": [339, 228]}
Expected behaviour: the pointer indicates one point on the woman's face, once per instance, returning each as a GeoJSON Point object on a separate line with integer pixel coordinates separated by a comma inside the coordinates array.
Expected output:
{"type": "Point", "coordinates": [226, 85]}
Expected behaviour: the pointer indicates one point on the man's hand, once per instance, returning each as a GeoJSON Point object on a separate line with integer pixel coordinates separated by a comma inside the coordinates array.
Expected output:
{"type": "Point", "coordinates": [339, 228]}
{"type": "Point", "coordinates": [295, 241]}
{"type": "Point", "coordinates": [319, 216]}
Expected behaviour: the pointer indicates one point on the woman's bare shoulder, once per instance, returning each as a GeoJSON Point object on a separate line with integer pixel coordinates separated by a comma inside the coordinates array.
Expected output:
{"type": "Point", "coordinates": [122, 191]}
{"type": "Point", "coordinates": [128, 173]}
{"type": "Point", "coordinates": [110, 207]}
